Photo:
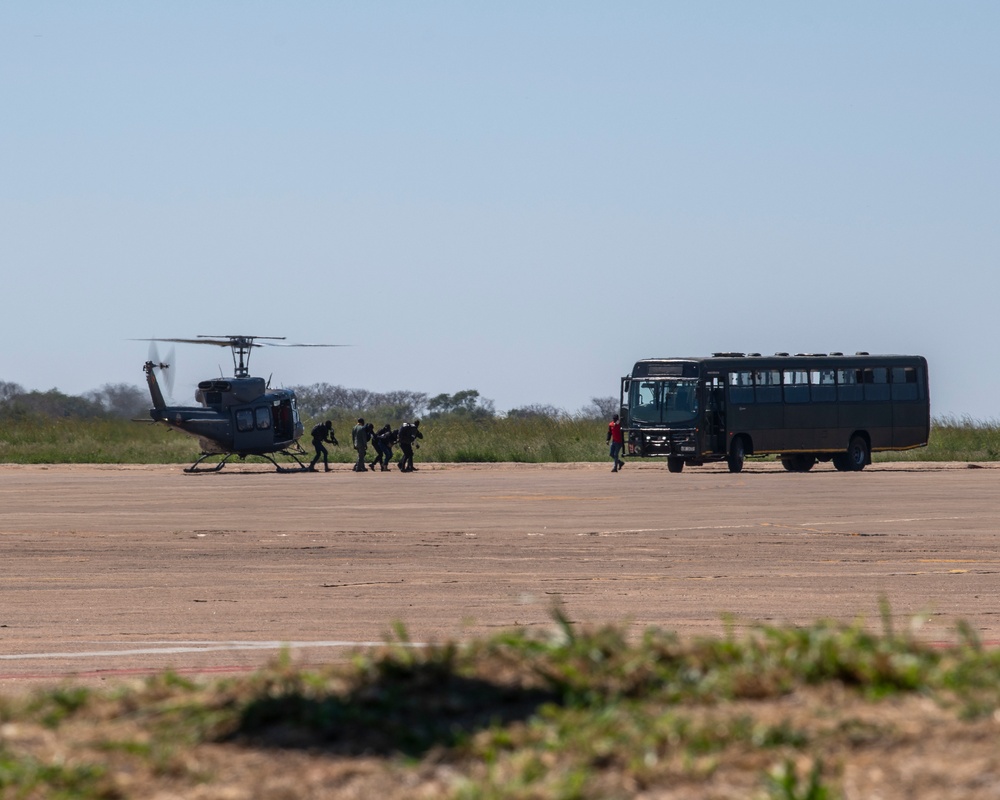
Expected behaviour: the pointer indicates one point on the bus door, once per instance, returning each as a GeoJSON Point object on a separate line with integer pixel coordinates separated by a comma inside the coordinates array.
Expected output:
{"type": "Point", "coordinates": [715, 415]}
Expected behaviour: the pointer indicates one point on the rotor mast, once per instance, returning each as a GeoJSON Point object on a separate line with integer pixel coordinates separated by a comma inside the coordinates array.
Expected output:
{"type": "Point", "coordinates": [241, 347]}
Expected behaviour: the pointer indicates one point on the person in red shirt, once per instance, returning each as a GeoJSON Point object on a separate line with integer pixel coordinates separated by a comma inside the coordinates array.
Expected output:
{"type": "Point", "coordinates": [615, 438]}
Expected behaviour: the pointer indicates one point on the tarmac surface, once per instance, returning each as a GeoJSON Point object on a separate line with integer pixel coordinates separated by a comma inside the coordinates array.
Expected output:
{"type": "Point", "coordinates": [116, 570]}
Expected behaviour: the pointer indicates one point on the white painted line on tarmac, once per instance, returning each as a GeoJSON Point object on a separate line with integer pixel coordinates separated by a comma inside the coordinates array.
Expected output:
{"type": "Point", "coordinates": [901, 519]}
{"type": "Point", "coordinates": [174, 648]}
{"type": "Point", "coordinates": [682, 528]}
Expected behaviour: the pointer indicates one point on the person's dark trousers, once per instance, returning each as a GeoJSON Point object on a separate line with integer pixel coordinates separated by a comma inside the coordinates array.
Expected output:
{"type": "Point", "coordinates": [406, 462]}
{"type": "Point", "coordinates": [380, 457]}
{"type": "Point", "coordinates": [321, 452]}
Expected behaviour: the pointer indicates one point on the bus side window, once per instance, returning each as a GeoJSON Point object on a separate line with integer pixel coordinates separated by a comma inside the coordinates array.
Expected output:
{"type": "Point", "coordinates": [823, 387]}
{"type": "Point", "coordinates": [741, 387]}
{"type": "Point", "coordinates": [904, 383]}
{"type": "Point", "coordinates": [796, 386]}
{"type": "Point", "coordinates": [849, 388]}
{"type": "Point", "coordinates": [877, 383]}
{"type": "Point", "coordinates": [767, 385]}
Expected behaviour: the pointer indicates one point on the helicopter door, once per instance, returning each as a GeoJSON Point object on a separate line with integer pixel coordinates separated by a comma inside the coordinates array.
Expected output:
{"type": "Point", "coordinates": [283, 425]}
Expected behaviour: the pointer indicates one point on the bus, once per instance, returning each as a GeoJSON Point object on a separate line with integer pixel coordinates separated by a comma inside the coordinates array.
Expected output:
{"type": "Point", "coordinates": [804, 408]}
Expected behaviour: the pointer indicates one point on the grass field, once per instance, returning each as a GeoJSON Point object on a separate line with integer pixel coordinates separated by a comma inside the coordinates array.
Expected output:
{"type": "Point", "coordinates": [42, 440]}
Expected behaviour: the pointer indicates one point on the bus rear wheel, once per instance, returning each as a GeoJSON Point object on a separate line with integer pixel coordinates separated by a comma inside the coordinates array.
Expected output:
{"type": "Point", "coordinates": [857, 454]}
{"type": "Point", "coordinates": [737, 452]}
{"type": "Point", "coordinates": [675, 463]}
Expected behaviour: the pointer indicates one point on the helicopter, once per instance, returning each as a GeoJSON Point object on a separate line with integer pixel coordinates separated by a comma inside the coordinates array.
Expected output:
{"type": "Point", "coordinates": [238, 416]}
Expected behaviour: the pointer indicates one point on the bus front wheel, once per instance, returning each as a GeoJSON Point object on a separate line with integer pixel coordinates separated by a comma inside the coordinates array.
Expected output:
{"type": "Point", "coordinates": [675, 463]}
{"type": "Point", "coordinates": [737, 452]}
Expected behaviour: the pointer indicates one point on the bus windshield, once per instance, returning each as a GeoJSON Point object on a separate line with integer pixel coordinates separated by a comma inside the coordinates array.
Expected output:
{"type": "Point", "coordinates": [663, 401]}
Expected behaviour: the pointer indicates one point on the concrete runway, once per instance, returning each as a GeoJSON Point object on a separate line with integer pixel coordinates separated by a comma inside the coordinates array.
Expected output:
{"type": "Point", "coordinates": [110, 571]}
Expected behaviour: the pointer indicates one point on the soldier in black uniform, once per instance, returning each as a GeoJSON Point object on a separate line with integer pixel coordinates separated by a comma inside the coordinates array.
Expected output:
{"type": "Point", "coordinates": [320, 434]}
{"type": "Point", "coordinates": [408, 434]}
{"type": "Point", "coordinates": [383, 447]}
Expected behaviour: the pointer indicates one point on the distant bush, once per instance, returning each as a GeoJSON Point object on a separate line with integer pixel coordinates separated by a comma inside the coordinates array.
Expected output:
{"type": "Point", "coordinates": [52, 404]}
{"type": "Point", "coordinates": [121, 400]}
{"type": "Point", "coordinates": [321, 400]}
{"type": "Point", "coordinates": [465, 404]}
{"type": "Point", "coordinates": [600, 408]}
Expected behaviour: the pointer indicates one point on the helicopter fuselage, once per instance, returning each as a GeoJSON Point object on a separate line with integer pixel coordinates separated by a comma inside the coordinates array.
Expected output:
{"type": "Point", "coordinates": [236, 415]}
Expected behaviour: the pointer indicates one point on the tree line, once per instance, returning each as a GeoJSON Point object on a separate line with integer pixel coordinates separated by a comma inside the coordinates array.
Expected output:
{"type": "Point", "coordinates": [315, 401]}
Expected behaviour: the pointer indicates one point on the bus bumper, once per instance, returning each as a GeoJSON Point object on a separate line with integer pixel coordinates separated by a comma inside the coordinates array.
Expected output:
{"type": "Point", "coordinates": [653, 443]}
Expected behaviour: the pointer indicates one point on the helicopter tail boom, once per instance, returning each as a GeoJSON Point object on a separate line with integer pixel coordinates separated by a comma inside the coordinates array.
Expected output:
{"type": "Point", "coordinates": [154, 387]}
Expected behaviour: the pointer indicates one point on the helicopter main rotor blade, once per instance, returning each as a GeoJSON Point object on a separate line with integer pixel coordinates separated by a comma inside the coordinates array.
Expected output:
{"type": "Point", "coordinates": [244, 341]}
{"type": "Point", "coordinates": [302, 344]}
{"type": "Point", "coordinates": [218, 342]}
{"type": "Point", "coordinates": [235, 336]}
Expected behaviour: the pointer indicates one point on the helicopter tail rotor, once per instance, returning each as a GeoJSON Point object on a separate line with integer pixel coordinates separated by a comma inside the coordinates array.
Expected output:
{"type": "Point", "coordinates": [165, 368]}
{"type": "Point", "coordinates": [169, 373]}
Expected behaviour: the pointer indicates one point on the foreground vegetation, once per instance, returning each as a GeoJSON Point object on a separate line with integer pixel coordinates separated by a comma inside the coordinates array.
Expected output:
{"type": "Point", "coordinates": [771, 713]}
{"type": "Point", "coordinates": [37, 439]}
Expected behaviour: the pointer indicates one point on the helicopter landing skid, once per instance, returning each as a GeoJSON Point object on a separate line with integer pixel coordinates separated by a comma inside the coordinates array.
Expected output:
{"type": "Point", "coordinates": [292, 455]}
{"type": "Point", "coordinates": [217, 467]}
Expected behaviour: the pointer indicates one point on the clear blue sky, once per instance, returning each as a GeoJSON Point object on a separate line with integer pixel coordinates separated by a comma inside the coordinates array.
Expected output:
{"type": "Point", "coordinates": [521, 197]}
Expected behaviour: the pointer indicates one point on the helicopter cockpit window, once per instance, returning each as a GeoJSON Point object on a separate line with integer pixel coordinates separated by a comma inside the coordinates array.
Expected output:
{"type": "Point", "coordinates": [263, 418]}
{"type": "Point", "coordinates": [244, 420]}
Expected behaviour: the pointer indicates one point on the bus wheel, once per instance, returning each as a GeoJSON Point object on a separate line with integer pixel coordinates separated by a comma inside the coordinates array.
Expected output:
{"type": "Point", "coordinates": [842, 462]}
{"type": "Point", "coordinates": [737, 452]}
{"type": "Point", "coordinates": [675, 464]}
{"type": "Point", "coordinates": [857, 454]}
